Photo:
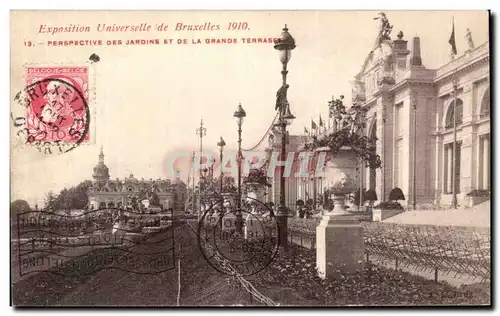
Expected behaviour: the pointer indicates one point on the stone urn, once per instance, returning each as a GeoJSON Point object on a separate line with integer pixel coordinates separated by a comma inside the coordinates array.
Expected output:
{"type": "Point", "coordinates": [344, 185]}
{"type": "Point", "coordinates": [255, 190]}
{"type": "Point", "coordinates": [340, 174]}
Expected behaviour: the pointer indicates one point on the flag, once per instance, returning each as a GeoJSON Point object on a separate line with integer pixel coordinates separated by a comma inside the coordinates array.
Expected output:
{"type": "Point", "coordinates": [452, 39]}
{"type": "Point", "coordinates": [305, 130]}
{"type": "Point", "coordinates": [313, 125]}
{"type": "Point", "coordinates": [320, 121]}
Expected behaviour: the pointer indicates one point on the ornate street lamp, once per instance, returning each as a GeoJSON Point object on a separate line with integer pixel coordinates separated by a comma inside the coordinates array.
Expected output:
{"type": "Point", "coordinates": [201, 131]}
{"type": "Point", "coordinates": [221, 145]}
{"type": "Point", "coordinates": [239, 114]}
{"type": "Point", "coordinates": [285, 44]}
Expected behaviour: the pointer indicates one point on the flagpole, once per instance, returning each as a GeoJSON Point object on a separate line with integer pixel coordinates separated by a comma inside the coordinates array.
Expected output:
{"type": "Point", "coordinates": [452, 41]}
{"type": "Point", "coordinates": [319, 125]}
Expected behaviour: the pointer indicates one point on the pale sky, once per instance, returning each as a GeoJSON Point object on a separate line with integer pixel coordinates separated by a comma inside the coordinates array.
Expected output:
{"type": "Point", "coordinates": [150, 99]}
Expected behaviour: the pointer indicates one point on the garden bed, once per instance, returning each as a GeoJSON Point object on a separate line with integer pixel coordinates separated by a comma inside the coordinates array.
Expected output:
{"type": "Point", "coordinates": [377, 286]}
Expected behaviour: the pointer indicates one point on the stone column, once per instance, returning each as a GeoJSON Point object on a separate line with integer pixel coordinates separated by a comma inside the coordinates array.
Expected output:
{"type": "Point", "coordinates": [486, 162]}
{"type": "Point", "coordinates": [438, 178]}
{"type": "Point", "coordinates": [379, 173]}
{"type": "Point", "coordinates": [449, 177]}
{"type": "Point", "coordinates": [466, 160]}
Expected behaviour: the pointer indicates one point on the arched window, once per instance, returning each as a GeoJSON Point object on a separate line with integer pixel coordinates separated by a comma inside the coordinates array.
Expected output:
{"type": "Point", "coordinates": [449, 114]}
{"type": "Point", "coordinates": [484, 111]}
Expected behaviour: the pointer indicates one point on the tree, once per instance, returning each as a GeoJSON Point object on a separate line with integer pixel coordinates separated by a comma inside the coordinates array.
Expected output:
{"type": "Point", "coordinates": [19, 206]}
{"type": "Point", "coordinates": [79, 195]}
{"type": "Point", "coordinates": [69, 198]}
{"type": "Point", "coordinates": [396, 194]}
{"type": "Point", "coordinates": [51, 203]}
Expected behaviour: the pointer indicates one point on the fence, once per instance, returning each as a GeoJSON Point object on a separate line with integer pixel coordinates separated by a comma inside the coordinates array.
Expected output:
{"type": "Point", "coordinates": [235, 277]}
{"type": "Point", "coordinates": [200, 296]}
{"type": "Point", "coordinates": [445, 249]}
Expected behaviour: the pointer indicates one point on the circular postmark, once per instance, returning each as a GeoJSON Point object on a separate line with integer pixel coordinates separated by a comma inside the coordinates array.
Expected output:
{"type": "Point", "coordinates": [241, 241]}
{"type": "Point", "coordinates": [55, 113]}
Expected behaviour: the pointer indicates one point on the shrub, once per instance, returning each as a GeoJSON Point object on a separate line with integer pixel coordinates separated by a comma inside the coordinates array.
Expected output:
{"type": "Point", "coordinates": [396, 195]}
{"type": "Point", "coordinates": [370, 195]}
{"type": "Point", "coordinates": [389, 206]}
{"type": "Point", "coordinates": [479, 193]}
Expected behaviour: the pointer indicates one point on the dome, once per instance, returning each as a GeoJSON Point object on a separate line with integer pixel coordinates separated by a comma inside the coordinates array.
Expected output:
{"type": "Point", "coordinates": [131, 179]}
{"type": "Point", "coordinates": [101, 171]}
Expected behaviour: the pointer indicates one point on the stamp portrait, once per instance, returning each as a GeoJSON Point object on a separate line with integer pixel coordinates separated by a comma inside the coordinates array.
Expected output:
{"type": "Point", "coordinates": [58, 107]}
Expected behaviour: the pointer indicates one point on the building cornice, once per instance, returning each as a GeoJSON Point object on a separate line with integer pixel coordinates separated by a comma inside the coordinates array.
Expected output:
{"type": "Point", "coordinates": [469, 59]}
{"type": "Point", "coordinates": [408, 82]}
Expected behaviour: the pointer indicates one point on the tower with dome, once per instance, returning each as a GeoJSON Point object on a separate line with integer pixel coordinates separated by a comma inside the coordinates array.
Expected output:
{"type": "Point", "coordinates": [107, 192]}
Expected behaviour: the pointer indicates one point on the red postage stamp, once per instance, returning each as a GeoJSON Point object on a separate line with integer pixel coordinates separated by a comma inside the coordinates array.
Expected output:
{"type": "Point", "coordinates": [57, 110]}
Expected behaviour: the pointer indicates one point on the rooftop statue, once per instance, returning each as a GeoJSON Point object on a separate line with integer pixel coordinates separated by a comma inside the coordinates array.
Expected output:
{"type": "Point", "coordinates": [468, 36]}
{"type": "Point", "coordinates": [384, 28]}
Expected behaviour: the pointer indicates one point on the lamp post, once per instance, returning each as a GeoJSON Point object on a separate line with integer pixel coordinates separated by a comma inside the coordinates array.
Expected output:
{"type": "Point", "coordinates": [202, 131]}
{"type": "Point", "coordinates": [221, 145]}
{"type": "Point", "coordinates": [239, 114]}
{"type": "Point", "coordinates": [285, 44]}
{"type": "Point", "coordinates": [454, 154]}
{"type": "Point", "coordinates": [414, 145]}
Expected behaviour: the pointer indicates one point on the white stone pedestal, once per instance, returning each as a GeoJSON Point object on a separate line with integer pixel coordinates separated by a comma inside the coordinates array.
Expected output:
{"type": "Point", "coordinates": [339, 246]}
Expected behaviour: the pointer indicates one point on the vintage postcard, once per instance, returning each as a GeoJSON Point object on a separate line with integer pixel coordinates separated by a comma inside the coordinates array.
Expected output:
{"type": "Point", "coordinates": [250, 158]}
